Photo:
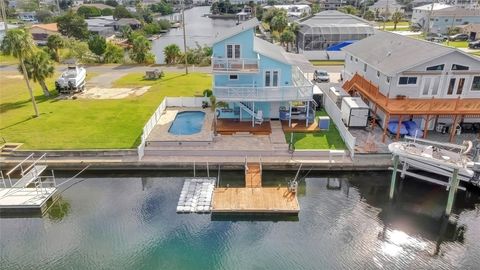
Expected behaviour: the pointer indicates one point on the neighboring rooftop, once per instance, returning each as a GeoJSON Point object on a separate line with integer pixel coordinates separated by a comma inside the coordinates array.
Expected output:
{"type": "Point", "coordinates": [335, 22]}
{"type": "Point", "coordinates": [236, 30]}
{"type": "Point", "coordinates": [436, 6]}
{"type": "Point", "coordinates": [47, 27]}
{"type": "Point", "coordinates": [457, 12]}
{"type": "Point", "coordinates": [384, 3]}
{"type": "Point", "coordinates": [99, 6]}
{"type": "Point", "coordinates": [394, 53]}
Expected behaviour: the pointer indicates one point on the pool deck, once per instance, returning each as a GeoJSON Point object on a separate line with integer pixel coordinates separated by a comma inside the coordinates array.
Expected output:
{"type": "Point", "coordinates": [160, 131]}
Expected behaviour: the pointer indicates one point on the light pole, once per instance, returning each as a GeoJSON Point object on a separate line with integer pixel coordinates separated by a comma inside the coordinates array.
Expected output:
{"type": "Point", "coordinates": [184, 37]}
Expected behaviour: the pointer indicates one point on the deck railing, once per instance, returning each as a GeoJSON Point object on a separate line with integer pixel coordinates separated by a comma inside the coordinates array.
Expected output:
{"type": "Point", "coordinates": [235, 65]}
{"type": "Point", "coordinates": [252, 93]}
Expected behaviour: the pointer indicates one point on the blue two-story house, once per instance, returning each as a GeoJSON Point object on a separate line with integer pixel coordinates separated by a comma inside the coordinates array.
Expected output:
{"type": "Point", "coordinates": [256, 81]}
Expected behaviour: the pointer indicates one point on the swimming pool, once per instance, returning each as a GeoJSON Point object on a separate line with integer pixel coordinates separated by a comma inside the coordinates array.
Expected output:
{"type": "Point", "coordinates": [187, 123]}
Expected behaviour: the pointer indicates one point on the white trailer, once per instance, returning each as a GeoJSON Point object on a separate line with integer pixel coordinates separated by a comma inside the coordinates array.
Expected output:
{"type": "Point", "coordinates": [354, 112]}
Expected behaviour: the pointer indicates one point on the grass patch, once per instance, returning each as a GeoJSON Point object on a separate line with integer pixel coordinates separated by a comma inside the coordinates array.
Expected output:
{"type": "Point", "coordinates": [476, 53]}
{"type": "Point", "coordinates": [8, 60]}
{"type": "Point", "coordinates": [86, 124]}
{"type": "Point", "coordinates": [456, 44]}
{"type": "Point", "coordinates": [327, 62]}
{"type": "Point", "coordinates": [330, 139]}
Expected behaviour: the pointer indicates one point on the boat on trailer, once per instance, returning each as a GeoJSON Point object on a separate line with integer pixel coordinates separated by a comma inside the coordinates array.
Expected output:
{"type": "Point", "coordinates": [437, 158]}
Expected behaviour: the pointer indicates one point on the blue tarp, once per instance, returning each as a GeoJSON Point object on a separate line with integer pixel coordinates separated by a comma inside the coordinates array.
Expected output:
{"type": "Point", "coordinates": [338, 47]}
{"type": "Point", "coordinates": [393, 126]}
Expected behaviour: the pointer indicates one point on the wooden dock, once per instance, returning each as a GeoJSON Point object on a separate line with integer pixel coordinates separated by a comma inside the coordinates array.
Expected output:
{"type": "Point", "coordinates": [230, 127]}
{"type": "Point", "coordinates": [253, 198]}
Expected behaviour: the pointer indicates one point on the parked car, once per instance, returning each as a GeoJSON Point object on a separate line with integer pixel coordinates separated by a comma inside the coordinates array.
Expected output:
{"type": "Point", "coordinates": [474, 44]}
{"type": "Point", "coordinates": [321, 76]}
{"type": "Point", "coordinates": [459, 37]}
{"type": "Point", "coordinates": [434, 37]}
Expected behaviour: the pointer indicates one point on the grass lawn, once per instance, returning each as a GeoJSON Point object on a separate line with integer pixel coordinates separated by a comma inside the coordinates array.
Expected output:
{"type": "Point", "coordinates": [86, 124]}
{"type": "Point", "coordinates": [456, 44]}
{"type": "Point", "coordinates": [327, 62]}
{"type": "Point", "coordinates": [318, 140]}
{"type": "Point", "coordinates": [8, 60]}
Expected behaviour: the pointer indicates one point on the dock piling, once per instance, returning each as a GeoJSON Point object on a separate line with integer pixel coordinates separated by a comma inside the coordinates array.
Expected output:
{"type": "Point", "coordinates": [451, 193]}
{"type": "Point", "coordinates": [394, 176]}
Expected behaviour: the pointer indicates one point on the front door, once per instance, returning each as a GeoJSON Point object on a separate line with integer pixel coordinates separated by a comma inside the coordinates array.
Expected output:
{"type": "Point", "coordinates": [430, 86]}
{"type": "Point", "coordinates": [455, 86]}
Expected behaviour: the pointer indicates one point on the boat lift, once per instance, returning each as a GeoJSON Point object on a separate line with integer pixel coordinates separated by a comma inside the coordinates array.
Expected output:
{"type": "Point", "coordinates": [33, 189]}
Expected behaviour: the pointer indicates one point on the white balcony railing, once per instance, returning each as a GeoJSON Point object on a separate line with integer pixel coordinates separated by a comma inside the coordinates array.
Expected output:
{"type": "Point", "coordinates": [245, 93]}
{"type": "Point", "coordinates": [248, 65]}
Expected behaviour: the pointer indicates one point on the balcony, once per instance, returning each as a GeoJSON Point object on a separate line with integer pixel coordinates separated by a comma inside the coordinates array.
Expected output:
{"type": "Point", "coordinates": [252, 93]}
{"type": "Point", "coordinates": [240, 65]}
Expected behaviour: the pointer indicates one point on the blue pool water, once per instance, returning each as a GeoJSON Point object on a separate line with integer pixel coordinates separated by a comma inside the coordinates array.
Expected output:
{"type": "Point", "coordinates": [187, 123]}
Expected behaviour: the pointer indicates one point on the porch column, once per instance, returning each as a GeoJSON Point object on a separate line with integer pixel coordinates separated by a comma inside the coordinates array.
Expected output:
{"type": "Point", "coordinates": [385, 125]}
{"type": "Point", "coordinates": [290, 114]}
{"type": "Point", "coordinates": [308, 110]}
{"type": "Point", "coordinates": [425, 129]}
{"type": "Point", "coordinates": [452, 132]}
{"type": "Point", "coordinates": [253, 113]}
{"type": "Point", "coordinates": [241, 114]}
{"type": "Point", "coordinates": [398, 127]}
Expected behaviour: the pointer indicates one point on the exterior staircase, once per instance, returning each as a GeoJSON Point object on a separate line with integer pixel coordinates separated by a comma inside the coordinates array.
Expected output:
{"type": "Point", "coordinates": [248, 108]}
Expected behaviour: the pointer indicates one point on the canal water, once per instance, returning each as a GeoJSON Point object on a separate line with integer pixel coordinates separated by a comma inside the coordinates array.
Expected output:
{"type": "Point", "coordinates": [199, 30]}
{"type": "Point", "coordinates": [116, 221]}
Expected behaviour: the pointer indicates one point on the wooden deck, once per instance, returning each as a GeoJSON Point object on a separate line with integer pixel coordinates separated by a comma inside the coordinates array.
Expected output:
{"type": "Point", "coordinates": [230, 127]}
{"type": "Point", "coordinates": [299, 126]}
{"type": "Point", "coordinates": [254, 200]}
{"type": "Point", "coordinates": [253, 176]}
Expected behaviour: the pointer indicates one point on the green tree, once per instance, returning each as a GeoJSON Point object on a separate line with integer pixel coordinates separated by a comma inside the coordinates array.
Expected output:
{"type": "Point", "coordinates": [164, 24]}
{"type": "Point", "coordinates": [97, 44]}
{"type": "Point", "coordinates": [349, 10]}
{"type": "Point", "coordinates": [107, 12]}
{"type": "Point", "coordinates": [315, 8]}
{"type": "Point", "coordinates": [279, 23]}
{"type": "Point", "coordinates": [121, 12]}
{"type": "Point", "coordinates": [39, 67]}
{"type": "Point", "coordinates": [112, 3]}
{"type": "Point", "coordinates": [88, 11]}
{"type": "Point", "coordinates": [72, 25]}
{"type": "Point", "coordinates": [113, 54]}
{"type": "Point", "coordinates": [369, 15]}
{"type": "Point", "coordinates": [44, 16]}
{"type": "Point", "coordinates": [19, 43]}
{"type": "Point", "coordinates": [396, 18]}
{"type": "Point", "coordinates": [152, 28]}
{"type": "Point", "coordinates": [287, 37]}
{"type": "Point", "coordinates": [172, 54]}
{"type": "Point", "coordinates": [54, 43]}
{"type": "Point", "coordinates": [140, 52]}
{"type": "Point", "coordinates": [79, 50]}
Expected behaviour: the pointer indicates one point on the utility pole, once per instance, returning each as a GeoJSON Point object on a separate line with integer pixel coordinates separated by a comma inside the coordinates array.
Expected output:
{"type": "Point", "coordinates": [4, 15]}
{"type": "Point", "coordinates": [184, 37]}
{"type": "Point", "coordinates": [427, 24]}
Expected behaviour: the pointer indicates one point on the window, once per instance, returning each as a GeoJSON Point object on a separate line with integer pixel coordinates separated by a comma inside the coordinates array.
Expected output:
{"type": "Point", "coordinates": [364, 67]}
{"type": "Point", "coordinates": [450, 86]}
{"type": "Point", "coordinates": [233, 77]}
{"type": "Point", "coordinates": [378, 74]}
{"type": "Point", "coordinates": [351, 58]}
{"type": "Point", "coordinates": [458, 20]}
{"type": "Point", "coordinates": [407, 80]}
{"type": "Point", "coordinates": [388, 80]}
{"type": "Point", "coordinates": [476, 83]}
{"type": "Point", "coordinates": [437, 67]}
{"type": "Point", "coordinates": [233, 51]}
{"type": "Point", "coordinates": [446, 20]}
{"type": "Point", "coordinates": [356, 60]}
{"type": "Point", "coordinates": [459, 67]}
{"type": "Point", "coordinates": [461, 83]}
{"type": "Point", "coordinates": [271, 78]}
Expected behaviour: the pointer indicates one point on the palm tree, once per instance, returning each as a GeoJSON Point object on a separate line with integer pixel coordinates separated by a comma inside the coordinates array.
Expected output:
{"type": "Point", "coordinates": [19, 43]}
{"type": "Point", "coordinates": [140, 51]}
{"type": "Point", "coordinates": [396, 18]}
{"type": "Point", "coordinates": [287, 37]}
{"type": "Point", "coordinates": [54, 43]}
{"type": "Point", "coordinates": [39, 67]}
{"type": "Point", "coordinates": [172, 53]}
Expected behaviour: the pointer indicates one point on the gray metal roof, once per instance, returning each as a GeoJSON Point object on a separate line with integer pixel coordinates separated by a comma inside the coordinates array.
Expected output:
{"type": "Point", "coordinates": [269, 50]}
{"type": "Point", "coordinates": [335, 22]}
{"type": "Point", "coordinates": [392, 53]}
{"type": "Point", "coordinates": [236, 30]}
{"type": "Point", "coordinates": [456, 11]}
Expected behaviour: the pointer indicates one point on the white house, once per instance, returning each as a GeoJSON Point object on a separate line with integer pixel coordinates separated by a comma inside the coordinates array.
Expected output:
{"type": "Point", "coordinates": [386, 6]}
{"type": "Point", "coordinates": [293, 10]}
{"type": "Point", "coordinates": [405, 78]}
{"type": "Point", "coordinates": [420, 14]}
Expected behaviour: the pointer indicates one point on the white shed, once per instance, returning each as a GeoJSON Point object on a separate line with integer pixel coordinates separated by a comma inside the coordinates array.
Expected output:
{"type": "Point", "coordinates": [354, 112]}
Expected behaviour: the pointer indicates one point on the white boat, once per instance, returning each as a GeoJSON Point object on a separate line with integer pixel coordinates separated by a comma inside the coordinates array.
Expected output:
{"type": "Point", "coordinates": [71, 80]}
{"type": "Point", "coordinates": [438, 158]}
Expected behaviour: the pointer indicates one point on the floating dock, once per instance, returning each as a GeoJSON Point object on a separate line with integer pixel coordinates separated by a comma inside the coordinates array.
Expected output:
{"type": "Point", "coordinates": [253, 198]}
{"type": "Point", "coordinates": [196, 195]}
